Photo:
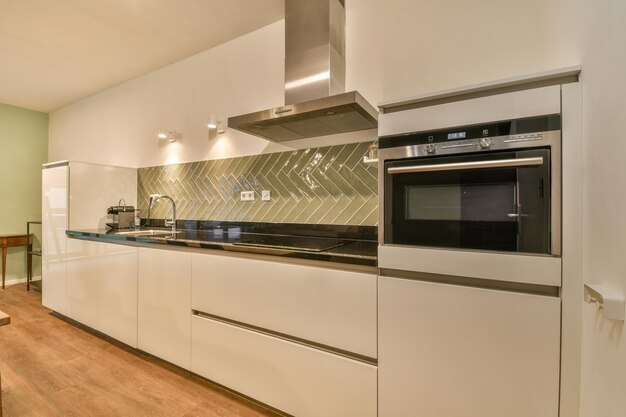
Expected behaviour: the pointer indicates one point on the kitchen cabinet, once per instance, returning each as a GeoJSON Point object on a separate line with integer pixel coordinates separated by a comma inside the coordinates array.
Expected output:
{"type": "Point", "coordinates": [169, 303]}
{"type": "Point", "coordinates": [102, 288]}
{"type": "Point", "coordinates": [164, 305]}
{"type": "Point", "coordinates": [449, 350]}
{"type": "Point", "coordinates": [332, 307]}
{"type": "Point", "coordinates": [297, 379]}
{"type": "Point", "coordinates": [117, 299]}
{"type": "Point", "coordinates": [83, 280]}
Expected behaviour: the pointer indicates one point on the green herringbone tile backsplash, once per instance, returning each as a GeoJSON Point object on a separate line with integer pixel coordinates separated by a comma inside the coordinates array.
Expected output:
{"type": "Point", "coordinates": [329, 185]}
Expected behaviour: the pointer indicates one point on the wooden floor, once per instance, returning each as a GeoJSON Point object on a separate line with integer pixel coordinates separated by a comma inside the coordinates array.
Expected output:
{"type": "Point", "coordinates": [52, 368]}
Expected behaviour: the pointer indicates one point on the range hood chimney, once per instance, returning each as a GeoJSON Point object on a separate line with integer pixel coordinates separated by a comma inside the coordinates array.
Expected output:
{"type": "Point", "coordinates": [316, 103]}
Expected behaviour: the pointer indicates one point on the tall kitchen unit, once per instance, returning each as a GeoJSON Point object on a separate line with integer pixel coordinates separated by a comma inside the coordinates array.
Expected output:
{"type": "Point", "coordinates": [75, 195]}
{"type": "Point", "coordinates": [479, 290]}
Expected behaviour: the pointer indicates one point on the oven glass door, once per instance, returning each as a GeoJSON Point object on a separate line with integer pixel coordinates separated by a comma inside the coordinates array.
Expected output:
{"type": "Point", "coordinates": [491, 201]}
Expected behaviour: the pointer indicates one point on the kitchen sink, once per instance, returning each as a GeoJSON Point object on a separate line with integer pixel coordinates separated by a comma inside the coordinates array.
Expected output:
{"type": "Point", "coordinates": [149, 232]}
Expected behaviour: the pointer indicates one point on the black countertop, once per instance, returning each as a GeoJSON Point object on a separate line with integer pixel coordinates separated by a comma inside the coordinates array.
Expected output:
{"type": "Point", "coordinates": [355, 245]}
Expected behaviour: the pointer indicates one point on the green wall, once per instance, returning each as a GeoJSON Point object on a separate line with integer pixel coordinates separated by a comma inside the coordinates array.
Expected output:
{"type": "Point", "coordinates": [23, 148]}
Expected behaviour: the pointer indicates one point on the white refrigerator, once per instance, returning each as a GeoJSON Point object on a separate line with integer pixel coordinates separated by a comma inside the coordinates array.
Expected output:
{"type": "Point", "coordinates": [75, 195]}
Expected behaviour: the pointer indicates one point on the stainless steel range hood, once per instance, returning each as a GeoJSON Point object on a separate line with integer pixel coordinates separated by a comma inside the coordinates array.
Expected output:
{"type": "Point", "coordinates": [315, 73]}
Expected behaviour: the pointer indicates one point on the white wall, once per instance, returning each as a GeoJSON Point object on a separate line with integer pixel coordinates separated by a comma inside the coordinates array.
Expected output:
{"type": "Point", "coordinates": [119, 126]}
{"type": "Point", "coordinates": [395, 48]}
{"type": "Point", "coordinates": [604, 102]}
{"type": "Point", "coordinates": [405, 48]}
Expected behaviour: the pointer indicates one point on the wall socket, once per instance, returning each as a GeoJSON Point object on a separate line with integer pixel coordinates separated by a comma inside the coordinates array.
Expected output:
{"type": "Point", "coordinates": [265, 195]}
{"type": "Point", "coordinates": [247, 196]}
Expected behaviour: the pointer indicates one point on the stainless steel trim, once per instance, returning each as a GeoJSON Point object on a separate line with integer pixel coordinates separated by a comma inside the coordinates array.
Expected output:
{"type": "Point", "coordinates": [303, 342]}
{"type": "Point", "coordinates": [467, 145]}
{"type": "Point", "coordinates": [458, 166]}
{"type": "Point", "coordinates": [556, 175]}
{"type": "Point", "coordinates": [522, 140]}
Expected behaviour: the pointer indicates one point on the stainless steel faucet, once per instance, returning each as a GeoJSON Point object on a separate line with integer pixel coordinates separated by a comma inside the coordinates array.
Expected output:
{"type": "Point", "coordinates": [156, 197]}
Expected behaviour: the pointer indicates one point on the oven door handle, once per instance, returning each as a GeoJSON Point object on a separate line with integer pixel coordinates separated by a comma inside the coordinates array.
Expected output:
{"type": "Point", "coordinates": [457, 166]}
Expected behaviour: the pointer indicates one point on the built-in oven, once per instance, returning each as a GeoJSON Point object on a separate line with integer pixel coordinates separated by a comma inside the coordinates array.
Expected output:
{"type": "Point", "coordinates": [490, 187]}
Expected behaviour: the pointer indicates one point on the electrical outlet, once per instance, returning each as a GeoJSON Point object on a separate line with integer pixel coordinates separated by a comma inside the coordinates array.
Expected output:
{"type": "Point", "coordinates": [265, 195]}
{"type": "Point", "coordinates": [247, 196]}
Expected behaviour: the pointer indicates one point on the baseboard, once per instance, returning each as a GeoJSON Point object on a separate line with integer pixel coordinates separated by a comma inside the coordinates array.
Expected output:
{"type": "Point", "coordinates": [14, 281]}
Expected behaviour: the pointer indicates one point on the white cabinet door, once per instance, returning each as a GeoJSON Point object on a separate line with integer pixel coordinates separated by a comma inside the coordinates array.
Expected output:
{"type": "Point", "coordinates": [331, 307]}
{"type": "Point", "coordinates": [164, 305]}
{"type": "Point", "coordinates": [54, 223]}
{"type": "Point", "coordinates": [83, 281]}
{"type": "Point", "coordinates": [117, 292]}
{"type": "Point", "coordinates": [453, 351]}
{"type": "Point", "coordinates": [299, 380]}
{"type": "Point", "coordinates": [102, 288]}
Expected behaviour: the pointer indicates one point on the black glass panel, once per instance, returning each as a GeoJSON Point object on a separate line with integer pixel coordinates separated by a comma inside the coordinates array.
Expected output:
{"type": "Point", "coordinates": [503, 209]}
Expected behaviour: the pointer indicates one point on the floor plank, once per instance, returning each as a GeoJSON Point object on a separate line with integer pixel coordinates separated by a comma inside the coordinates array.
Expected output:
{"type": "Point", "coordinates": [51, 368]}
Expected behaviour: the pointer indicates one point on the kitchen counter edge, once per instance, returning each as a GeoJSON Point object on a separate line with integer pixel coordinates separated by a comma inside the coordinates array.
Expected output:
{"type": "Point", "coordinates": [352, 253]}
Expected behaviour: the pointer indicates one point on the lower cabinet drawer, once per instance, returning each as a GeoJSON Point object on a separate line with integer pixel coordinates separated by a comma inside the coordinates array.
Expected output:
{"type": "Point", "coordinates": [326, 306]}
{"type": "Point", "coordinates": [296, 379]}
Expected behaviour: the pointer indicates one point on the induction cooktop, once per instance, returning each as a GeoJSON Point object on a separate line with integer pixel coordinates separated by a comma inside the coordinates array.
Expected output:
{"type": "Point", "coordinates": [311, 244]}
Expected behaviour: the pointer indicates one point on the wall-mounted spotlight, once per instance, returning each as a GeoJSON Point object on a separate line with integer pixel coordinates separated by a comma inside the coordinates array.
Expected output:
{"type": "Point", "coordinates": [169, 135]}
{"type": "Point", "coordinates": [215, 125]}
{"type": "Point", "coordinates": [212, 124]}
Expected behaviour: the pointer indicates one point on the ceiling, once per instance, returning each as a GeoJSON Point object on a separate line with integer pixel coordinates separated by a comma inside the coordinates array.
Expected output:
{"type": "Point", "coordinates": [54, 52]}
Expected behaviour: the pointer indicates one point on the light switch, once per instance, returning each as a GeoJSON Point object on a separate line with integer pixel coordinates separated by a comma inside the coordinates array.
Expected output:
{"type": "Point", "coordinates": [265, 195]}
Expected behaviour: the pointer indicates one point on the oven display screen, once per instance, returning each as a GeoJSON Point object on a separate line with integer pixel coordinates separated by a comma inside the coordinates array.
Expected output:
{"type": "Point", "coordinates": [457, 135]}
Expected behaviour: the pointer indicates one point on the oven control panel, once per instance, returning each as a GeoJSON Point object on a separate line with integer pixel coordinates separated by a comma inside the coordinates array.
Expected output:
{"type": "Point", "coordinates": [476, 138]}
{"type": "Point", "coordinates": [482, 144]}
